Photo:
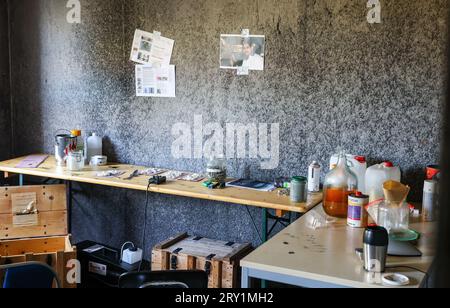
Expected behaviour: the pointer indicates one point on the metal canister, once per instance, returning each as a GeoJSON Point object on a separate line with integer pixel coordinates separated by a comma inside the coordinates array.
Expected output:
{"type": "Point", "coordinates": [298, 189]}
{"type": "Point", "coordinates": [357, 213]}
{"type": "Point", "coordinates": [430, 200]}
{"type": "Point", "coordinates": [64, 144]}
{"type": "Point", "coordinates": [376, 243]}
{"type": "Point", "coordinates": [314, 177]}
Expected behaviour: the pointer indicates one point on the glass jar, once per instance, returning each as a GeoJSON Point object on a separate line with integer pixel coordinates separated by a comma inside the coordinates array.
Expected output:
{"type": "Point", "coordinates": [339, 184]}
{"type": "Point", "coordinates": [75, 161]}
{"type": "Point", "coordinates": [298, 189]}
{"type": "Point", "coordinates": [216, 170]}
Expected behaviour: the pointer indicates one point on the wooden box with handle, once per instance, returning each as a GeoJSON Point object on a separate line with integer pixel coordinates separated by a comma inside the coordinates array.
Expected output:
{"type": "Point", "coordinates": [219, 259]}
{"type": "Point", "coordinates": [33, 227]}
{"type": "Point", "coordinates": [33, 211]}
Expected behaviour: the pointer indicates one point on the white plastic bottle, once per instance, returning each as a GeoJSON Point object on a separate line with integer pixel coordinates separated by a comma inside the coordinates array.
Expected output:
{"type": "Point", "coordinates": [94, 146]}
{"type": "Point", "coordinates": [359, 168]}
{"type": "Point", "coordinates": [377, 175]}
{"type": "Point", "coordinates": [358, 165]}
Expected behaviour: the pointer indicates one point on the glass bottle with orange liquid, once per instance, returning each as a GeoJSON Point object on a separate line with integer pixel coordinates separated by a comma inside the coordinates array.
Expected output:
{"type": "Point", "coordinates": [339, 184]}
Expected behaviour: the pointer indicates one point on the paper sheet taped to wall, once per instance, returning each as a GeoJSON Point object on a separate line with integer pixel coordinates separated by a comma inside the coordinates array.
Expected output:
{"type": "Point", "coordinates": [24, 209]}
{"type": "Point", "coordinates": [156, 81]}
{"type": "Point", "coordinates": [151, 48]}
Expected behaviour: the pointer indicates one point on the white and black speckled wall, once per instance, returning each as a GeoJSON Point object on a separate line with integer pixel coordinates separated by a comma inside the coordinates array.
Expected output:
{"type": "Point", "coordinates": [331, 80]}
{"type": "Point", "coordinates": [5, 118]}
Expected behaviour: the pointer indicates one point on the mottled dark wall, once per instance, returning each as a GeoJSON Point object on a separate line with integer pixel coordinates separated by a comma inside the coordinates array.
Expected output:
{"type": "Point", "coordinates": [5, 115]}
{"type": "Point", "coordinates": [331, 80]}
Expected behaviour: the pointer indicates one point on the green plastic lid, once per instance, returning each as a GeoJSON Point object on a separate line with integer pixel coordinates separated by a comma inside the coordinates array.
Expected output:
{"type": "Point", "coordinates": [299, 179]}
{"type": "Point", "coordinates": [405, 236]}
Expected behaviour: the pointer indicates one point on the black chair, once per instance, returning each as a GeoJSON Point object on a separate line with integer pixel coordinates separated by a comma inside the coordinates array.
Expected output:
{"type": "Point", "coordinates": [29, 275]}
{"type": "Point", "coordinates": [165, 280]}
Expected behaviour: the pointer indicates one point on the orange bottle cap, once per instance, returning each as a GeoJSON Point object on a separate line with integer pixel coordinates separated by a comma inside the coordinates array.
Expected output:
{"type": "Point", "coordinates": [75, 132]}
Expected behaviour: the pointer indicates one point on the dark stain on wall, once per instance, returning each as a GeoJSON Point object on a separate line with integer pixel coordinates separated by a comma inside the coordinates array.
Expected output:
{"type": "Point", "coordinates": [331, 80]}
{"type": "Point", "coordinates": [5, 114]}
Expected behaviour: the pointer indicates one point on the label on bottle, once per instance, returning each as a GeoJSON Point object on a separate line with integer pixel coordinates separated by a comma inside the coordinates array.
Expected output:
{"type": "Point", "coordinates": [429, 207]}
{"type": "Point", "coordinates": [314, 178]}
{"type": "Point", "coordinates": [357, 214]}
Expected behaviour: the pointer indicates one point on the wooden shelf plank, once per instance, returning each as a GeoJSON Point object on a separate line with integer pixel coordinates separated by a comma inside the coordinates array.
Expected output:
{"type": "Point", "coordinates": [269, 200]}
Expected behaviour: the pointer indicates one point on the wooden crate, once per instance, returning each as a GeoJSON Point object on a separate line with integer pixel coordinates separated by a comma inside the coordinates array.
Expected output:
{"type": "Point", "coordinates": [54, 251]}
{"type": "Point", "coordinates": [51, 203]}
{"type": "Point", "coordinates": [44, 240]}
{"type": "Point", "coordinates": [219, 259]}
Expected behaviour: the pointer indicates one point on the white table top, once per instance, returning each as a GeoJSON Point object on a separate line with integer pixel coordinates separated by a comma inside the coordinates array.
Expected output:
{"type": "Point", "coordinates": [328, 254]}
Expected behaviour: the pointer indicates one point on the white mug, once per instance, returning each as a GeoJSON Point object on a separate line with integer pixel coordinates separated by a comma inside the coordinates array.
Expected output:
{"type": "Point", "coordinates": [99, 161]}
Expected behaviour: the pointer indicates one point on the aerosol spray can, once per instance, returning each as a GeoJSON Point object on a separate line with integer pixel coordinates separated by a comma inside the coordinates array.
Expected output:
{"type": "Point", "coordinates": [314, 177]}
{"type": "Point", "coordinates": [430, 200]}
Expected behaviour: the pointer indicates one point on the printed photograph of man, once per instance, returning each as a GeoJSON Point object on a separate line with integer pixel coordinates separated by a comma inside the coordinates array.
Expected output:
{"type": "Point", "coordinates": [237, 51]}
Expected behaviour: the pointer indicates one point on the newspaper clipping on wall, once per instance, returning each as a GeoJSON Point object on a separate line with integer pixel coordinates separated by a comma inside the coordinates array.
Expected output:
{"type": "Point", "coordinates": [156, 81]}
{"type": "Point", "coordinates": [151, 48]}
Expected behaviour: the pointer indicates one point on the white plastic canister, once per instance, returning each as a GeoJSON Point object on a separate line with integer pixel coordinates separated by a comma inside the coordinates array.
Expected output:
{"type": "Point", "coordinates": [94, 146]}
{"type": "Point", "coordinates": [377, 175]}
{"type": "Point", "coordinates": [358, 165]}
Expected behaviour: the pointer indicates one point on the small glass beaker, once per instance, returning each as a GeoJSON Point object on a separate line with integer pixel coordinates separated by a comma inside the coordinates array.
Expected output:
{"type": "Point", "coordinates": [394, 217]}
{"type": "Point", "coordinates": [75, 161]}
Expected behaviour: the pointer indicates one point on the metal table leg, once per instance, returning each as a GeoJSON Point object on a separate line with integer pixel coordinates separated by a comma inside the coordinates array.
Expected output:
{"type": "Point", "coordinates": [245, 283]}
{"type": "Point", "coordinates": [265, 226]}
{"type": "Point", "coordinates": [265, 236]}
{"type": "Point", "coordinates": [69, 206]}
{"type": "Point", "coordinates": [20, 179]}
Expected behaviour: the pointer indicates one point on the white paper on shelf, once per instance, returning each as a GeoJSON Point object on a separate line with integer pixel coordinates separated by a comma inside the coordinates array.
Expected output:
{"type": "Point", "coordinates": [21, 204]}
{"type": "Point", "coordinates": [155, 81]}
{"type": "Point", "coordinates": [151, 48]}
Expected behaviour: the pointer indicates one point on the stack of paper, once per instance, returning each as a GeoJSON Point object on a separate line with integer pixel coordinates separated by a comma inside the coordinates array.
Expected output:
{"type": "Point", "coordinates": [155, 77]}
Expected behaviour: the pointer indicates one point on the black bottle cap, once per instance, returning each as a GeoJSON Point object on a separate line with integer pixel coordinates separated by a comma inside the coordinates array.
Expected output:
{"type": "Point", "coordinates": [133, 249]}
{"type": "Point", "coordinates": [376, 236]}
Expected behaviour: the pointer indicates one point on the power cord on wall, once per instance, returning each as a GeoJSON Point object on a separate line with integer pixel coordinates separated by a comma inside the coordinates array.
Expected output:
{"type": "Point", "coordinates": [157, 180]}
{"type": "Point", "coordinates": [145, 223]}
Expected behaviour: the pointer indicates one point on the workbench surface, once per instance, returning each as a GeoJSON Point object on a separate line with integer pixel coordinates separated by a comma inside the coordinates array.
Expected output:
{"type": "Point", "coordinates": [326, 257]}
{"type": "Point", "coordinates": [269, 200]}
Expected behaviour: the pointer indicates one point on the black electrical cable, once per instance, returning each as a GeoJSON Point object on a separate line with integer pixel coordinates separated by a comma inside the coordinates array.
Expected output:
{"type": "Point", "coordinates": [145, 224]}
{"type": "Point", "coordinates": [254, 224]}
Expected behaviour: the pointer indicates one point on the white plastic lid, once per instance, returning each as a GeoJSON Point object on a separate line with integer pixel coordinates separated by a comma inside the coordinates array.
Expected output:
{"type": "Point", "coordinates": [395, 280]}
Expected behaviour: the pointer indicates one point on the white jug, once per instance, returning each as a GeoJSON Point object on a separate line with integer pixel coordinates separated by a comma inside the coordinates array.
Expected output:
{"type": "Point", "coordinates": [94, 146]}
{"type": "Point", "coordinates": [377, 175]}
{"type": "Point", "coordinates": [357, 165]}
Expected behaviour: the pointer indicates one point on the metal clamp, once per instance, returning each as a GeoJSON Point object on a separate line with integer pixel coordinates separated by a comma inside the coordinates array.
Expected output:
{"type": "Point", "coordinates": [174, 259]}
{"type": "Point", "coordinates": [173, 263]}
{"type": "Point", "coordinates": [208, 264]}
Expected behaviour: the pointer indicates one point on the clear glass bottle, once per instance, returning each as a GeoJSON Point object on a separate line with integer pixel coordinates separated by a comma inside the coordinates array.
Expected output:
{"type": "Point", "coordinates": [339, 184]}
